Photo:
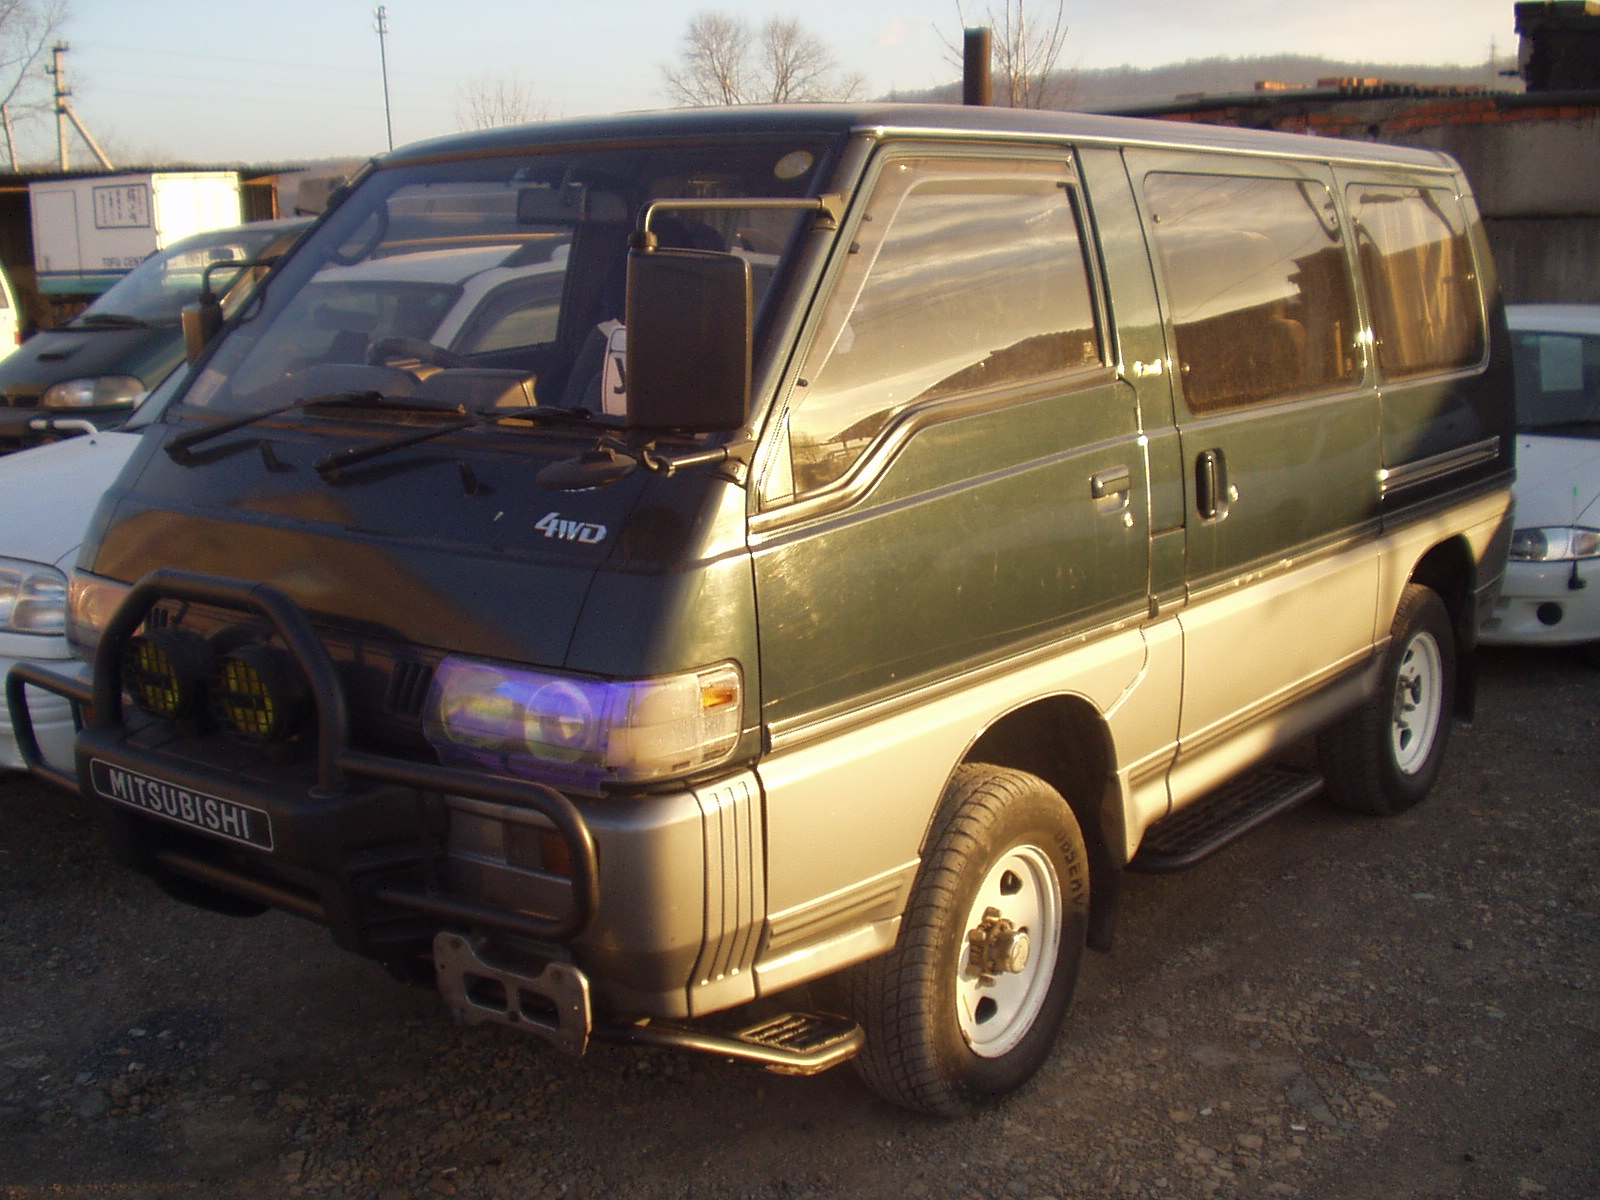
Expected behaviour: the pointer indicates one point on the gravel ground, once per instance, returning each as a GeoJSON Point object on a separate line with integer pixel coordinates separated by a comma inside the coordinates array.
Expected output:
{"type": "Point", "coordinates": [1333, 1009]}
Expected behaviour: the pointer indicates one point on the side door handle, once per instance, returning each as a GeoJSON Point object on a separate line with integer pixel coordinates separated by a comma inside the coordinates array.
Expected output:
{"type": "Point", "coordinates": [1110, 489]}
{"type": "Point", "coordinates": [1112, 485]}
{"type": "Point", "coordinates": [1212, 494]}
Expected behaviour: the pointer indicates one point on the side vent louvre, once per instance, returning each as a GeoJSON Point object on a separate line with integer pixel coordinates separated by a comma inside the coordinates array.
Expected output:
{"type": "Point", "coordinates": [408, 688]}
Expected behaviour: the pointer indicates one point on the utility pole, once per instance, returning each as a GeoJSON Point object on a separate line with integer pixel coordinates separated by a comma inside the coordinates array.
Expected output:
{"type": "Point", "coordinates": [64, 113]}
{"type": "Point", "coordinates": [383, 60]}
{"type": "Point", "coordinates": [62, 92]}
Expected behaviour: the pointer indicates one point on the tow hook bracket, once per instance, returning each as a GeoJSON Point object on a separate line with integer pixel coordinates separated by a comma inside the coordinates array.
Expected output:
{"type": "Point", "coordinates": [552, 1004]}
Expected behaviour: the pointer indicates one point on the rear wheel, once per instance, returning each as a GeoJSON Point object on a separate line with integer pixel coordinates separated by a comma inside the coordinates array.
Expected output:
{"type": "Point", "coordinates": [968, 1004]}
{"type": "Point", "coordinates": [1384, 757]}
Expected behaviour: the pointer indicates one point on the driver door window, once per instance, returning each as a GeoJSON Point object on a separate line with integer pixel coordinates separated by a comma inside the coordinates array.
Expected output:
{"type": "Point", "coordinates": [964, 276]}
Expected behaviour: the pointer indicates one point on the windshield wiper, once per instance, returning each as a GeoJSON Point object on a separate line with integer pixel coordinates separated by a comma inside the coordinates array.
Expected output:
{"type": "Point", "coordinates": [330, 466]}
{"type": "Point", "coordinates": [184, 442]}
{"type": "Point", "coordinates": [109, 320]}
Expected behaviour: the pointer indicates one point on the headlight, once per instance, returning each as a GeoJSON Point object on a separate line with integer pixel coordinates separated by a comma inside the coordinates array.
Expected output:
{"type": "Point", "coordinates": [33, 597]}
{"type": "Point", "coordinates": [91, 599]}
{"type": "Point", "coordinates": [102, 391]}
{"type": "Point", "coordinates": [1556, 543]}
{"type": "Point", "coordinates": [584, 732]}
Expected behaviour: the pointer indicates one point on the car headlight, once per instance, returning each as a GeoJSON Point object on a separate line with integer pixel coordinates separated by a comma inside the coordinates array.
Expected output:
{"type": "Point", "coordinates": [91, 599]}
{"type": "Point", "coordinates": [33, 597]}
{"type": "Point", "coordinates": [566, 730]}
{"type": "Point", "coordinates": [1554, 543]}
{"type": "Point", "coordinates": [101, 391]}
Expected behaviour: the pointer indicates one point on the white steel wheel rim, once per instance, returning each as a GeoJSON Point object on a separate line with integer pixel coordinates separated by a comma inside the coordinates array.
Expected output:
{"type": "Point", "coordinates": [995, 1012]}
{"type": "Point", "coordinates": [1418, 703]}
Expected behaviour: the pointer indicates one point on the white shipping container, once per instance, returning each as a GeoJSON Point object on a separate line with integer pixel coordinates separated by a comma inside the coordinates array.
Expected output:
{"type": "Point", "coordinates": [89, 232]}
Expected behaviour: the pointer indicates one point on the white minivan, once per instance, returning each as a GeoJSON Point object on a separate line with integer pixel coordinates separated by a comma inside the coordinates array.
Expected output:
{"type": "Point", "coordinates": [1546, 598]}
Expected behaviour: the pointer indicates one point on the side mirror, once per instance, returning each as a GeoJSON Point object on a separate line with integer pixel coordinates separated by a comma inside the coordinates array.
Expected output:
{"type": "Point", "coordinates": [689, 320]}
{"type": "Point", "coordinates": [200, 320]}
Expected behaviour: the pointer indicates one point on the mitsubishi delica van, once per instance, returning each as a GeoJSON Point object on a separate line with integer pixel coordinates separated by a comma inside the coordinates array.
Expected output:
{"type": "Point", "coordinates": [625, 570]}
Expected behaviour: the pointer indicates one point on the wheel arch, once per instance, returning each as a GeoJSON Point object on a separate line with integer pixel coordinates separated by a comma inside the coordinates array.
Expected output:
{"type": "Point", "coordinates": [1064, 741]}
{"type": "Point", "coordinates": [1450, 571]}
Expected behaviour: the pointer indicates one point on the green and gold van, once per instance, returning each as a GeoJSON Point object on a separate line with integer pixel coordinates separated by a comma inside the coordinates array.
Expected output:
{"type": "Point", "coordinates": [627, 569]}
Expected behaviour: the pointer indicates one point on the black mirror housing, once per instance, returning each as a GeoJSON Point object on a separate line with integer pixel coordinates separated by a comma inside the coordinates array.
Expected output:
{"type": "Point", "coordinates": [200, 321]}
{"type": "Point", "coordinates": [689, 321]}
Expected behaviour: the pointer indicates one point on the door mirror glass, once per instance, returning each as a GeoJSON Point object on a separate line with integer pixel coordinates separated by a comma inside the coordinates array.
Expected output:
{"type": "Point", "coordinates": [689, 336]}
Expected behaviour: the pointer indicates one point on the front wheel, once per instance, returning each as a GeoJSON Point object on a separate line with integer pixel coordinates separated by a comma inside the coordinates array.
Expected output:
{"type": "Point", "coordinates": [1384, 757]}
{"type": "Point", "coordinates": [967, 1005]}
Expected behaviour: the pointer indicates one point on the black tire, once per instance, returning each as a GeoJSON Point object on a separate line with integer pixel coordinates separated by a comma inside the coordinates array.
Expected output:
{"type": "Point", "coordinates": [1384, 757]}
{"type": "Point", "coordinates": [1003, 836]}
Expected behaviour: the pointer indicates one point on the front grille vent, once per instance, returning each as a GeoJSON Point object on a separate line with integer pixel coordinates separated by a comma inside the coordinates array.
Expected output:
{"type": "Point", "coordinates": [408, 688]}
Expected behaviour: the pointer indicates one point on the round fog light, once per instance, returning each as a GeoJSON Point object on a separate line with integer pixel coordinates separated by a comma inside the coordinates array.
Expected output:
{"type": "Point", "coordinates": [1548, 614]}
{"type": "Point", "coordinates": [256, 693]}
{"type": "Point", "coordinates": [164, 671]}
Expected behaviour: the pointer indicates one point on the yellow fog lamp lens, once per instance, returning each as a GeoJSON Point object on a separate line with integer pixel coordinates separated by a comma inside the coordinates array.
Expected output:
{"type": "Point", "coordinates": [257, 693]}
{"type": "Point", "coordinates": [164, 672]}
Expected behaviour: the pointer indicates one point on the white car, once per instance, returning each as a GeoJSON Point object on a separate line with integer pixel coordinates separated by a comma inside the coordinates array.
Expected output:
{"type": "Point", "coordinates": [1551, 594]}
{"type": "Point", "coordinates": [47, 495]}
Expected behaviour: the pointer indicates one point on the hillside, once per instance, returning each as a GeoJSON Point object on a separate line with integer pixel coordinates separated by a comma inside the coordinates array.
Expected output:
{"type": "Point", "coordinates": [1121, 87]}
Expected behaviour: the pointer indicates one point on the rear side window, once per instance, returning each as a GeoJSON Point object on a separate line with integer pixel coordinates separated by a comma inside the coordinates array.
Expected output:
{"type": "Point", "coordinates": [963, 276]}
{"type": "Point", "coordinates": [1257, 287]}
{"type": "Point", "coordinates": [1417, 267]}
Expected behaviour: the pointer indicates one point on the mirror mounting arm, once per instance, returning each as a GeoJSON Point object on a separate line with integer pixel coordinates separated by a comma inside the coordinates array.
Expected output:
{"type": "Point", "coordinates": [829, 210]}
{"type": "Point", "coordinates": [613, 459]}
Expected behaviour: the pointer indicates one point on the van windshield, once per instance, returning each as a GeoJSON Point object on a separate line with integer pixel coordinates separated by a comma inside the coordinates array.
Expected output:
{"type": "Point", "coordinates": [1558, 382]}
{"type": "Point", "coordinates": [483, 282]}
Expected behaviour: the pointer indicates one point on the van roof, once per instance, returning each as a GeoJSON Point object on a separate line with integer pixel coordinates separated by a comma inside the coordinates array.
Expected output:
{"type": "Point", "coordinates": [913, 120]}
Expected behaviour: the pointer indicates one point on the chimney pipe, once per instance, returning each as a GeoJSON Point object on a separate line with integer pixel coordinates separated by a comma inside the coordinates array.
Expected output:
{"type": "Point", "coordinates": [976, 84]}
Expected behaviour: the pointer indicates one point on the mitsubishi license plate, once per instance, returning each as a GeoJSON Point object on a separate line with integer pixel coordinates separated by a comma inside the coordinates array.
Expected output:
{"type": "Point", "coordinates": [214, 815]}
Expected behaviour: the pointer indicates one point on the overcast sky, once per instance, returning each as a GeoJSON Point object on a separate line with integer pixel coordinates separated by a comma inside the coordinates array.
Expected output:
{"type": "Point", "coordinates": [258, 81]}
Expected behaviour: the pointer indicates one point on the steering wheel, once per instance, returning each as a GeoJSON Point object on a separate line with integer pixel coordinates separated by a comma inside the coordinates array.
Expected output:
{"type": "Point", "coordinates": [393, 349]}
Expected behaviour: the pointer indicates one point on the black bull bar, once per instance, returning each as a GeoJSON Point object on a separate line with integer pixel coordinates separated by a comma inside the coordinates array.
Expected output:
{"type": "Point", "coordinates": [337, 762]}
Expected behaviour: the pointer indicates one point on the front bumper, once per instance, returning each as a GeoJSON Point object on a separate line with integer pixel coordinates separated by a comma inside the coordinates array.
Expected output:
{"type": "Point", "coordinates": [1546, 604]}
{"type": "Point", "coordinates": [393, 854]}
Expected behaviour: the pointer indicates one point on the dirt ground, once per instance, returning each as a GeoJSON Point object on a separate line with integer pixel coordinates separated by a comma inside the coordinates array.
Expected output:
{"type": "Point", "coordinates": [1333, 1009]}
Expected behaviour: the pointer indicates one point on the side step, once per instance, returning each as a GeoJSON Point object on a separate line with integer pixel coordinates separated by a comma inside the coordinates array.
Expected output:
{"type": "Point", "coordinates": [1221, 816]}
{"type": "Point", "coordinates": [791, 1044]}
{"type": "Point", "coordinates": [551, 1000]}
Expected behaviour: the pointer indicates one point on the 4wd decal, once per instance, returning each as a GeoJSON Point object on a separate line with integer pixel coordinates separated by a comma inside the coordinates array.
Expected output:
{"type": "Point", "coordinates": [554, 525]}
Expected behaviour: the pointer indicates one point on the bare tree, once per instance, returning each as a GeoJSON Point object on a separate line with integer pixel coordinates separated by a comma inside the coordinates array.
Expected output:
{"type": "Point", "coordinates": [485, 103]}
{"type": "Point", "coordinates": [713, 63]}
{"type": "Point", "coordinates": [797, 66]}
{"type": "Point", "coordinates": [26, 28]}
{"type": "Point", "coordinates": [1026, 50]}
{"type": "Point", "coordinates": [724, 61]}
